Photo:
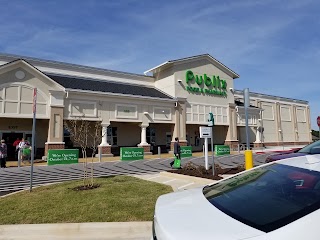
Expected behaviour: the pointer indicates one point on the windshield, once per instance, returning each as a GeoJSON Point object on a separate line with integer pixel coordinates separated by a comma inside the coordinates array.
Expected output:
{"type": "Point", "coordinates": [313, 148]}
{"type": "Point", "coordinates": [267, 198]}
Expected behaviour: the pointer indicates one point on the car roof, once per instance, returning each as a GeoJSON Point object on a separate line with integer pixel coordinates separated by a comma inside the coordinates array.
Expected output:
{"type": "Point", "coordinates": [309, 162]}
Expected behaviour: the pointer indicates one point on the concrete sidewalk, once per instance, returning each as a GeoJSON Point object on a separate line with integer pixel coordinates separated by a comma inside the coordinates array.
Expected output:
{"type": "Point", "coordinates": [178, 182]}
{"type": "Point", "coordinates": [78, 231]}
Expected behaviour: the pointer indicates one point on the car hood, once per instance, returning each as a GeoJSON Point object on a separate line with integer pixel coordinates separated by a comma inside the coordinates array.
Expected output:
{"type": "Point", "coordinates": [189, 215]}
{"type": "Point", "coordinates": [283, 156]}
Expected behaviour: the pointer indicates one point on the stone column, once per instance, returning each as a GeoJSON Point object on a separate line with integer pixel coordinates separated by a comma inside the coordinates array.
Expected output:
{"type": "Point", "coordinates": [278, 124]}
{"type": "Point", "coordinates": [232, 138]}
{"type": "Point", "coordinates": [295, 124]}
{"type": "Point", "coordinates": [55, 131]}
{"type": "Point", "coordinates": [104, 147]}
{"type": "Point", "coordinates": [143, 143]}
{"type": "Point", "coordinates": [309, 123]}
{"type": "Point", "coordinates": [183, 125]}
{"type": "Point", "coordinates": [259, 142]}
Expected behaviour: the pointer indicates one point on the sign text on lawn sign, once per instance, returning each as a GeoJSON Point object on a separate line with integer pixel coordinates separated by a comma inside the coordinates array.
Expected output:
{"type": "Point", "coordinates": [63, 156]}
{"type": "Point", "coordinates": [134, 153]}
{"type": "Point", "coordinates": [221, 150]}
{"type": "Point", "coordinates": [185, 151]}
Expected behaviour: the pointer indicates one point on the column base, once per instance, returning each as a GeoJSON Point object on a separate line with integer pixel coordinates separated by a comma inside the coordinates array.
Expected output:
{"type": "Point", "coordinates": [258, 145]}
{"type": "Point", "coordinates": [273, 144]}
{"type": "Point", "coordinates": [52, 145]}
{"type": "Point", "coordinates": [146, 149]}
{"type": "Point", "coordinates": [233, 144]}
{"type": "Point", "coordinates": [105, 151]}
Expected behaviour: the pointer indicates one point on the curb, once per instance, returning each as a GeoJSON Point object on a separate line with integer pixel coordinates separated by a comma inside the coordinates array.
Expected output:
{"type": "Point", "coordinates": [93, 230]}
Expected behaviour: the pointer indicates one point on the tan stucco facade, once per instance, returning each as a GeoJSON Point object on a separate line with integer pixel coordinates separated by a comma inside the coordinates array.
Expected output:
{"type": "Point", "coordinates": [133, 120]}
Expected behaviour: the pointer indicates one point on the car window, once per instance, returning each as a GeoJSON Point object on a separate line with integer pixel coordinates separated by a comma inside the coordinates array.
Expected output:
{"type": "Point", "coordinates": [313, 148]}
{"type": "Point", "coordinates": [267, 198]}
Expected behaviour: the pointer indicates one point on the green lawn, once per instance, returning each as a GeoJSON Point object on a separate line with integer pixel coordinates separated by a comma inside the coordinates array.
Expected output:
{"type": "Point", "coordinates": [118, 199]}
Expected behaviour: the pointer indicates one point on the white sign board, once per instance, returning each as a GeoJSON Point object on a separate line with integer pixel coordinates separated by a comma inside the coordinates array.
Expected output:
{"type": "Point", "coordinates": [205, 132]}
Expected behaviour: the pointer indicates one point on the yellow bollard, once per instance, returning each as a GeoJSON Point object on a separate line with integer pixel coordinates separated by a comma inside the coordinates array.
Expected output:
{"type": "Point", "coordinates": [248, 159]}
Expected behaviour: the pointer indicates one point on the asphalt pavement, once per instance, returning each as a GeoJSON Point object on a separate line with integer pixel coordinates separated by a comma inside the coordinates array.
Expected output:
{"type": "Point", "coordinates": [15, 179]}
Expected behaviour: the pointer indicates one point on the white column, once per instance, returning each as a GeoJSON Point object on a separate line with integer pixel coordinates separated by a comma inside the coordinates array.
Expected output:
{"type": "Point", "coordinates": [104, 139]}
{"type": "Point", "coordinates": [258, 135]}
{"type": "Point", "coordinates": [143, 135]}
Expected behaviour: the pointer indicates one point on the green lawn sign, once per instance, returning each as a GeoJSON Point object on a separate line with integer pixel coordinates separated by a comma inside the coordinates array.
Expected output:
{"type": "Point", "coordinates": [221, 150]}
{"type": "Point", "coordinates": [134, 153]}
{"type": "Point", "coordinates": [186, 151]}
{"type": "Point", "coordinates": [63, 156]}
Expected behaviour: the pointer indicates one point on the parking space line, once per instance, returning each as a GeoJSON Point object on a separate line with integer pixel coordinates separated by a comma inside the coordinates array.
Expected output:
{"type": "Point", "coordinates": [165, 160]}
{"type": "Point", "coordinates": [170, 181]}
{"type": "Point", "coordinates": [152, 177]}
{"type": "Point", "coordinates": [189, 184]}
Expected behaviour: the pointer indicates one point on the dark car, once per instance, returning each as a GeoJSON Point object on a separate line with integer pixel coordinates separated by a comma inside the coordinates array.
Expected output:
{"type": "Point", "coordinates": [313, 148]}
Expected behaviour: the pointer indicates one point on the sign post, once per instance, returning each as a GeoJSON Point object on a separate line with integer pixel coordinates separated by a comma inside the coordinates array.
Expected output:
{"type": "Point", "coordinates": [318, 122]}
{"type": "Point", "coordinates": [34, 111]}
{"type": "Point", "coordinates": [211, 124]}
{"type": "Point", "coordinates": [246, 106]}
{"type": "Point", "coordinates": [205, 132]}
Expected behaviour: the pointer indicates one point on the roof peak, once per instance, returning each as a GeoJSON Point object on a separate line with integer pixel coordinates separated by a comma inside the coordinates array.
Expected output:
{"type": "Point", "coordinates": [215, 62]}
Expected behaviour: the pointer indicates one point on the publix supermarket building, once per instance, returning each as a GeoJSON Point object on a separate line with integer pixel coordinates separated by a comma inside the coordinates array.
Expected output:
{"type": "Point", "coordinates": [148, 110]}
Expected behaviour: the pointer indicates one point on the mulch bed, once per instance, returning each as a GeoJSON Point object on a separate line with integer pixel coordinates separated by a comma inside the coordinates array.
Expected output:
{"type": "Point", "coordinates": [87, 187]}
{"type": "Point", "coordinates": [194, 170]}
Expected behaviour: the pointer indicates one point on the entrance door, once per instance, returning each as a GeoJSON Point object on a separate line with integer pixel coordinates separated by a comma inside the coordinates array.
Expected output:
{"type": "Point", "coordinates": [168, 140]}
{"type": "Point", "coordinates": [10, 138]}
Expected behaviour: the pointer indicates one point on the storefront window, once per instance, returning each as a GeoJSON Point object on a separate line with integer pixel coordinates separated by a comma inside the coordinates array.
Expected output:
{"type": "Point", "coordinates": [67, 138]}
{"type": "Point", "coordinates": [112, 135]}
{"type": "Point", "coordinates": [151, 136]}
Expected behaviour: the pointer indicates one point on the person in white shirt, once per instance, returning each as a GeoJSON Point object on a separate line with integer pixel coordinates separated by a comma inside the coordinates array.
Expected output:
{"type": "Point", "coordinates": [21, 144]}
{"type": "Point", "coordinates": [20, 147]}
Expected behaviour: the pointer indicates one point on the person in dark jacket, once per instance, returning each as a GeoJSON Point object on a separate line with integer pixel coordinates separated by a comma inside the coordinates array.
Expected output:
{"type": "Point", "coordinates": [176, 150]}
{"type": "Point", "coordinates": [3, 153]}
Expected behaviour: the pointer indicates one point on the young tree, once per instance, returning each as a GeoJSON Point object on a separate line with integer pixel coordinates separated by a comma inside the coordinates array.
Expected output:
{"type": "Point", "coordinates": [95, 137]}
{"type": "Point", "coordinates": [79, 130]}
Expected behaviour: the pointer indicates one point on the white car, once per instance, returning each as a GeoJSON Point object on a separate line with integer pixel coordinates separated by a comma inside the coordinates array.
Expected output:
{"type": "Point", "coordinates": [276, 201]}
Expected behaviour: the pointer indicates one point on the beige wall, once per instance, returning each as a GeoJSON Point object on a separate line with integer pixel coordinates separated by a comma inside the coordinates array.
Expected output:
{"type": "Point", "coordinates": [106, 108]}
{"type": "Point", "coordinates": [242, 134]}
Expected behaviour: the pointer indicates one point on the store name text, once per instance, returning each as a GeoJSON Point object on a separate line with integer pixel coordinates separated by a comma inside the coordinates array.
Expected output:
{"type": "Point", "coordinates": [214, 85]}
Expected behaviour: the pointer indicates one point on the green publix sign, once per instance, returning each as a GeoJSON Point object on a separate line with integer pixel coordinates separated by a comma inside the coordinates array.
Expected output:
{"type": "Point", "coordinates": [222, 150]}
{"type": "Point", "coordinates": [134, 153]}
{"type": "Point", "coordinates": [63, 156]}
{"type": "Point", "coordinates": [185, 151]}
{"type": "Point", "coordinates": [208, 85]}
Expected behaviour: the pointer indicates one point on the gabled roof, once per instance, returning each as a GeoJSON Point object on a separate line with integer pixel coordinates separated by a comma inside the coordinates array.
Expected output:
{"type": "Point", "coordinates": [93, 85]}
{"type": "Point", "coordinates": [30, 67]}
{"type": "Point", "coordinates": [208, 56]}
{"type": "Point", "coordinates": [58, 64]}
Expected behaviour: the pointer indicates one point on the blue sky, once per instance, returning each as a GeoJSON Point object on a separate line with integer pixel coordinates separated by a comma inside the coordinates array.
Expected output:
{"type": "Point", "coordinates": [272, 44]}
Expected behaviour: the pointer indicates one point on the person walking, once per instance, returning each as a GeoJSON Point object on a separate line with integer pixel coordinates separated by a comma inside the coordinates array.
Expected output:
{"type": "Point", "coordinates": [16, 145]}
{"type": "Point", "coordinates": [3, 154]}
{"type": "Point", "coordinates": [21, 146]}
{"type": "Point", "coordinates": [176, 150]}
